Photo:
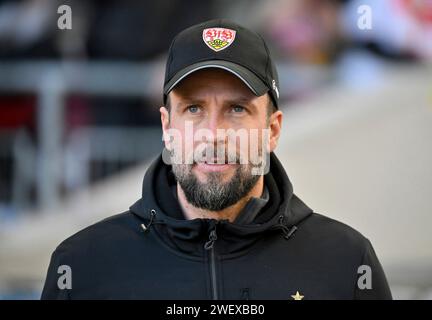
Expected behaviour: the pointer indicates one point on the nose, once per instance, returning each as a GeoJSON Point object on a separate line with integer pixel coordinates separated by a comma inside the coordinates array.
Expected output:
{"type": "Point", "coordinates": [214, 122]}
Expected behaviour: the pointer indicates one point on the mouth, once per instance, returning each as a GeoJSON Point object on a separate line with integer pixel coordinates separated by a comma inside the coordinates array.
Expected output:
{"type": "Point", "coordinates": [213, 165]}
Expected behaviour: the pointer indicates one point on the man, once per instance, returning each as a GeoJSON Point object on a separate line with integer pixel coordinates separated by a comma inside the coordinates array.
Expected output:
{"type": "Point", "coordinates": [218, 218]}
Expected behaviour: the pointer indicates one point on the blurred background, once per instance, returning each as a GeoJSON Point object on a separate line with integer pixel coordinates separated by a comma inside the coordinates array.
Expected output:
{"type": "Point", "coordinates": [79, 119]}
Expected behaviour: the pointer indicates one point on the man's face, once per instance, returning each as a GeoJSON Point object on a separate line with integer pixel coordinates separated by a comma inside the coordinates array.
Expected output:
{"type": "Point", "coordinates": [216, 167]}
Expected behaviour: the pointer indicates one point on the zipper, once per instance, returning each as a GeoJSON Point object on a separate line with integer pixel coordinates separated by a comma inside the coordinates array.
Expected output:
{"type": "Point", "coordinates": [209, 246]}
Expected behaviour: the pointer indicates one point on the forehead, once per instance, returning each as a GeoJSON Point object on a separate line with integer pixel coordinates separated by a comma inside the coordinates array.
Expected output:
{"type": "Point", "coordinates": [212, 81]}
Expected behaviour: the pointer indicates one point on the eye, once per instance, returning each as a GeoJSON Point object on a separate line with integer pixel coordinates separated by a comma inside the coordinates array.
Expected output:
{"type": "Point", "coordinates": [193, 109]}
{"type": "Point", "coordinates": [238, 109]}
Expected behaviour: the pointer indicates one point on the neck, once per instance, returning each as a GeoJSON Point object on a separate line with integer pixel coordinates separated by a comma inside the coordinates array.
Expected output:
{"type": "Point", "coordinates": [229, 213]}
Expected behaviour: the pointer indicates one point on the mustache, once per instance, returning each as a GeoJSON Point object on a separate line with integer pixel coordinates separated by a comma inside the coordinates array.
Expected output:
{"type": "Point", "coordinates": [215, 155]}
{"type": "Point", "coordinates": [207, 154]}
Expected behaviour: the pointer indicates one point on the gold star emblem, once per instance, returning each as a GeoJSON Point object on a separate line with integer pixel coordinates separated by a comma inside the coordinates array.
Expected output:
{"type": "Point", "coordinates": [297, 296]}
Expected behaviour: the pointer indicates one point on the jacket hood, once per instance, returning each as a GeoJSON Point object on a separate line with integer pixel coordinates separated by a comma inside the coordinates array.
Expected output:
{"type": "Point", "coordinates": [159, 209]}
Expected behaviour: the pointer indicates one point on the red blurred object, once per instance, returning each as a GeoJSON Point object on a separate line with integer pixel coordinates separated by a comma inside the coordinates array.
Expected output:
{"type": "Point", "coordinates": [17, 111]}
{"type": "Point", "coordinates": [420, 9]}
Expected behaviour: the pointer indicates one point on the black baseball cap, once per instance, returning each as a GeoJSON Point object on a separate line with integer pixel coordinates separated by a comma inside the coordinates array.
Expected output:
{"type": "Point", "coordinates": [222, 44]}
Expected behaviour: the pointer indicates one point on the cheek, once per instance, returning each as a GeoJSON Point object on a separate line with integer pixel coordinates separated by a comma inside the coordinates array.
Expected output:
{"type": "Point", "coordinates": [173, 134]}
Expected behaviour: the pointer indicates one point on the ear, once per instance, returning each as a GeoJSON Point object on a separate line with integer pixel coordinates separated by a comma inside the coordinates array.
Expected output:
{"type": "Point", "coordinates": [165, 124]}
{"type": "Point", "coordinates": [275, 125]}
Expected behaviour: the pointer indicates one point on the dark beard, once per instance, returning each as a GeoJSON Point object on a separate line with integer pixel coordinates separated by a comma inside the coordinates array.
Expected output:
{"type": "Point", "coordinates": [214, 195]}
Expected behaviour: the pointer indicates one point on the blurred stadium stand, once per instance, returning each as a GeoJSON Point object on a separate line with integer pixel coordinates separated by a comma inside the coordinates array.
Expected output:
{"type": "Point", "coordinates": [79, 119]}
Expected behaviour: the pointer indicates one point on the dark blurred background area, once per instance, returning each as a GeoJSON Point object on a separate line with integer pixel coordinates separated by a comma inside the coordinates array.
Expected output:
{"type": "Point", "coordinates": [79, 107]}
{"type": "Point", "coordinates": [108, 39]}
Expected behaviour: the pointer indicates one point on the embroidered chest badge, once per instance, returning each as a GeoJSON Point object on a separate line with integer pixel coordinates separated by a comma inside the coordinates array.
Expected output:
{"type": "Point", "coordinates": [218, 39]}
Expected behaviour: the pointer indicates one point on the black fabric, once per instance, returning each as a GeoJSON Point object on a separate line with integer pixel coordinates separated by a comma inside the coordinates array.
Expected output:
{"type": "Point", "coordinates": [247, 55]}
{"type": "Point", "coordinates": [252, 208]}
{"type": "Point", "coordinates": [152, 252]}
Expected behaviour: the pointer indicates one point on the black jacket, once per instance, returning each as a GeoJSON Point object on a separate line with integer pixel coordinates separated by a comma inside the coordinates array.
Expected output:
{"type": "Point", "coordinates": [152, 252]}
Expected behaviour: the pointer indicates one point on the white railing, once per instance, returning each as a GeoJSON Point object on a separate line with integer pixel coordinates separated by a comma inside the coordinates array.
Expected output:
{"type": "Point", "coordinates": [51, 82]}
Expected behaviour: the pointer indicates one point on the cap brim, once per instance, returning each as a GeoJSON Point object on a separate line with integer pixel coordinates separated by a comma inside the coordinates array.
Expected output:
{"type": "Point", "coordinates": [255, 84]}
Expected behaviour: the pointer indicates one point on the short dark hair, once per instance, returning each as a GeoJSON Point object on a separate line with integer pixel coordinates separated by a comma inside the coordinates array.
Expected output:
{"type": "Point", "coordinates": [271, 108]}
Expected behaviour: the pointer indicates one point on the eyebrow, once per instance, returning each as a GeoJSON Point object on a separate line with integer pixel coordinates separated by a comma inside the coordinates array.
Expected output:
{"type": "Point", "coordinates": [190, 101]}
{"type": "Point", "coordinates": [241, 101]}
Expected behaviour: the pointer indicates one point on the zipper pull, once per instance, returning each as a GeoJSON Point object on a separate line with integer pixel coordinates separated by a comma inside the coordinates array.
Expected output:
{"type": "Point", "coordinates": [152, 215]}
{"type": "Point", "coordinates": [212, 238]}
{"type": "Point", "coordinates": [288, 232]}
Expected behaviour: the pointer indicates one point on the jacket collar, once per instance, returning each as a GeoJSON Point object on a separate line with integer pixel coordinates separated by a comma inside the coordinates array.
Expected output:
{"type": "Point", "coordinates": [160, 209]}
